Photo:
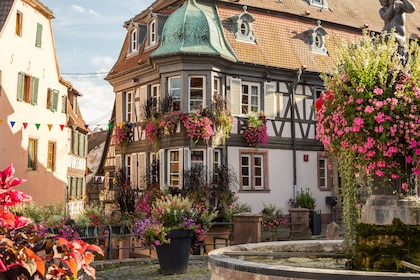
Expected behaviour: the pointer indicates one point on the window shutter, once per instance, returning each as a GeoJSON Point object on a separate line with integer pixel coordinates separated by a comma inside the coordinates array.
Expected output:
{"type": "Point", "coordinates": [64, 104]}
{"type": "Point", "coordinates": [21, 86]}
{"type": "Point", "coordinates": [119, 108]}
{"type": "Point", "coordinates": [55, 100]}
{"type": "Point", "coordinates": [210, 164]}
{"type": "Point", "coordinates": [187, 159]}
{"type": "Point", "coordinates": [183, 158]}
{"type": "Point", "coordinates": [162, 161]}
{"type": "Point", "coordinates": [118, 162]}
{"type": "Point", "coordinates": [134, 171]}
{"type": "Point", "coordinates": [143, 99]}
{"type": "Point", "coordinates": [35, 86]}
{"type": "Point", "coordinates": [270, 100]}
{"type": "Point", "coordinates": [75, 142]}
{"type": "Point", "coordinates": [235, 96]}
{"type": "Point", "coordinates": [141, 170]}
{"type": "Point", "coordinates": [83, 145]}
{"type": "Point", "coordinates": [38, 35]}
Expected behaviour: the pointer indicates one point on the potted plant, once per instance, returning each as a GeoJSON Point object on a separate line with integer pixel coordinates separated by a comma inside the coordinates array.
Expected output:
{"type": "Point", "coordinates": [122, 134]}
{"type": "Point", "coordinates": [198, 127]}
{"type": "Point", "coordinates": [304, 199]}
{"type": "Point", "coordinates": [272, 219]}
{"type": "Point", "coordinates": [172, 225]}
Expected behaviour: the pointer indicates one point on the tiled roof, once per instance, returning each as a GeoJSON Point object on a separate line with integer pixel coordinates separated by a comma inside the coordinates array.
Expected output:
{"type": "Point", "coordinates": [5, 7]}
{"type": "Point", "coordinates": [280, 27]}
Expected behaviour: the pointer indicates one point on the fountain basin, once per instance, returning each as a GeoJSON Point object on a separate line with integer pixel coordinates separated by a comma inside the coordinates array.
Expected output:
{"type": "Point", "coordinates": [224, 266]}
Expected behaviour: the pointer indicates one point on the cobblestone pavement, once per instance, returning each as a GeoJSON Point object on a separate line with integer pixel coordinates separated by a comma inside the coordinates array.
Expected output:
{"type": "Point", "coordinates": [134, 269]}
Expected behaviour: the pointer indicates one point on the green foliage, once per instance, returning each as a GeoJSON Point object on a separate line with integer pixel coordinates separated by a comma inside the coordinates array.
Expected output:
{"type": "Point", "coordinates": [305, 199]}
{"type": "Point", "coordinates": [38, 213]}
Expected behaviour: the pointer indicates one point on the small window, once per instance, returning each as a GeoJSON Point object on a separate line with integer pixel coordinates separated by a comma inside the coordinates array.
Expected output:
{"type": "Point", "coordinates": [19, 19]}
{"type": "Point", "coordinates": [128, 106]}
{"type": "Point", "coordinates": [174, 164]}
{"type": "Point", "coordinates": [217, 86]}
{"type": "Point", "coordinates": [324, 173]}
{"type": "Point", "coordinates": [32, 154]}
{"type": "Point", "coordinates": [316, 39]}
{"type": "Point", "coordinates": [242, 26]}
{"type": "Point", "coordinates": [133, 40]}
{"type": "Point", "coordinates": [155, 95]}
{"type": "Point", "coordinates": [197, 93]}
{"type": "Point", "coordinates": [152, 32]}
{"type": "Point", "coordinates": [51, 156]}
{"type": "Point", "coordinates": [174, 89]}
{"type": "Point", "coordinates": [52, 99]}
{"type": "Point", "coordinates": [38, 41]}
{"type": "Point", "coordinates": [319, 3]}
{"type": "Point", "coordinates": [27, 88]}
{"type": "Point", "coordinates": [253, 171]}
{"type": "Point", "coordinates": [197, 158]}
{"type": "Point", "coordinates": [250, 98]}
{"type": "Point", "coordinates": [128, 166]}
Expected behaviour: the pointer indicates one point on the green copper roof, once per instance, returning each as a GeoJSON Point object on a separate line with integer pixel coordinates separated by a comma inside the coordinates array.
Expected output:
{"type": "Point", "coordinates": [194, 29]}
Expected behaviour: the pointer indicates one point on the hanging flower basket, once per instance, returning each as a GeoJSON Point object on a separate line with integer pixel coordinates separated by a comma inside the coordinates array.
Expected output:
{"type": "Point", "coordinates": [255, 132]}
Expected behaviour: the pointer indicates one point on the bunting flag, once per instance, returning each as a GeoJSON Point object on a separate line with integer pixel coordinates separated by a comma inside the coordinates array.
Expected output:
{"type": "Point", "coordinates": [37, 126]}
{"type": "Point", "coordinates": [62, 127]}
{"type": "Point", "coordinates": [25, 124]}
{"type": "Point", "coordinates": [1, 121]}
{"type": "Point", "coordinates": [74, 127]}
{"type": "Point", "coordinates": [110, 126]}
{"type": "Point", "coordinates": [86, 126]}
{"type": "Point", "coordinates": [49, 126]}
{"type": "Point", "coordinates": [12, 124]}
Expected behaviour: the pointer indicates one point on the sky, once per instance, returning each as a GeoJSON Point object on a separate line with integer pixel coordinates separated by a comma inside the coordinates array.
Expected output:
{"type": "Point", "coordinates": [88, 38]}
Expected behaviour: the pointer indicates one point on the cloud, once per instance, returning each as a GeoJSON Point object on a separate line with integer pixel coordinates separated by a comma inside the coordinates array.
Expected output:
{"type": "Point", "coordinates": [104, 62]}
{"type": "Point", "coordinates": [81, 10]}
{"type": "Point", "coordinates": [97, 101]}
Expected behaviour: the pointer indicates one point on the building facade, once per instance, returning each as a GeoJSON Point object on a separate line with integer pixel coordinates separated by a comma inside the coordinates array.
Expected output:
{"type": "Point", "coordinates": [259, 56]}
{"type": "Point", "coordinates": [34, 120]}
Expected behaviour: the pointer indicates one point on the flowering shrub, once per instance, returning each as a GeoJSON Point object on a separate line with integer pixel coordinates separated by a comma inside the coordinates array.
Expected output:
{"type": "Point", "coordinates": [223, 120]}
{"type": "Point", "coordinates": [171, 212]}
{"type": "Point", "coordinates": [197, 126]}
{"type": "Point", "coordinates": [38, 255]}
{"type": "Point", "coordinates": [272, 217]}
{"type": "Point", "coordinates": [122, 134]}
{"type": "Point", "coordinates": [255, 132]}
{"type": "Point", "coordinates": [369, 118]}
{"type": "Point", "coordinates": [371, 108]}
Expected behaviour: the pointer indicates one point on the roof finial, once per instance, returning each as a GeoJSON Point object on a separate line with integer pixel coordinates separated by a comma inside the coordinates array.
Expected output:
{"type": "Point", "coordinates": [150, 10]}
{"type": "Point", "coordinates": [245, 8]}
{"type": "Point", "coordinates": [318, 22]}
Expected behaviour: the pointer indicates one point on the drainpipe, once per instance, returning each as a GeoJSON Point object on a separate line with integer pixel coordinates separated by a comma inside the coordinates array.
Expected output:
{"type": "Point", "coordinates": [293, 128]}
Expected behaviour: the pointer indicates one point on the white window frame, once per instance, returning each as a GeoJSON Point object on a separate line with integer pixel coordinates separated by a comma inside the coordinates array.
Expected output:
{"type": "Point", "coordinates": [195, 162]}
{"type": "Point", "coordinates": [32, 154]}
{"type": "Point", "coordinates": [217, 86]}
{"type": "Point", "coordinates": [323, 173]}
{"type": "Point", "coordinates": [248, 104]}
{"type": "Point", "coordinates": [133, 40]}
{"type": "Point", "coordinates": [251, 171]}
{"type": "Point", "coordinates": [174, 165]}
{"type": "Point", "coordinates": [152, 32]}
{"type": "Point", "coordinates": [193, 102]}
{"type": "Point", "coordinates": [155, 95]}
{"type": "Point", "coordinates": [128, 106]}
{"type": "Point", "coordinates": [176, 98]}
{"type": "Point", "coordinates": [128, 167]}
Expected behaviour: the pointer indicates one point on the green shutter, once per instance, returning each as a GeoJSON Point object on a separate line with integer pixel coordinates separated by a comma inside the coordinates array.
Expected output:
{"type": "Point", "coordinates": [55, 100]}
{"type": "Point", "coordinates": [21, 86]}
{"type": "Point", "coordinates": [35, 86]}
{"type": "Point", "coordinates": [38, 35]}
{"type": "Point", "coordinates": [64, 105]}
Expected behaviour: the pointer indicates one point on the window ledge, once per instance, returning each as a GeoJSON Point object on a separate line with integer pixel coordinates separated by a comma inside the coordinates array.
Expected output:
{"type": "Point", "coordinates": [255, 191]}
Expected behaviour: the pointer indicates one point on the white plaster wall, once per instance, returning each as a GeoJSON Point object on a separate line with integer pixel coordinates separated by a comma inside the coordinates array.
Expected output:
{"type": "Point", "coordinates": [20, 54]}
{"type": "Point", "coordinates": [280, 172]}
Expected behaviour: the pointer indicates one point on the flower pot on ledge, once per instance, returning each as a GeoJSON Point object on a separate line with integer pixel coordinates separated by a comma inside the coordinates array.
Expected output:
{"type": "Point", "coordinates": [174, 257]}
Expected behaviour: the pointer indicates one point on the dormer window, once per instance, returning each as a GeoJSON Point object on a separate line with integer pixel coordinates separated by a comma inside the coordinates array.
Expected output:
{"type": "Point", "coordinates": [152, 32]}
{"type": "Point", "coordinates": [242, 26]}
{"type": "Point", "coordinates": [316, 39]}
{"type": "Point", "coordinates": [133, 40]}
{"type": "Point", "coordinates": [319, 3]}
